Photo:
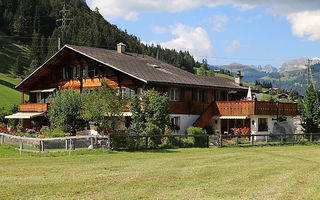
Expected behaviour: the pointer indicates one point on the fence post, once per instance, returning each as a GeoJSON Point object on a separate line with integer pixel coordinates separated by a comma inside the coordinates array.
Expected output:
{"type": "Point", "coordinates": [42, 146]}
{"type": "Point", "coordinates": [66, 144]}
{"type": "Point", "coordinates": [311, 137]}
{"type": "Point", "coordinates": [91, 142]}
{"type": "Point", "coordinates": [146, 145]}
{"type": "Point", "coordinates": [70, 146]}
{"type": "Point", "coordinates": [2, 139]}
{"type": "Point", "coordinates": [220, 140]}
{"type": "Point", "coordinates": [21, 146]}
{"type": "Point", "coordinates": [109, 141]}
{"type": "Point", "coordinates": [251, 139]}
{"type": "Point", "coordinates": [237, 140]}
{"type": "Point", "coordinates": [266, 138]}
{"type": "Point", "coordinates": [208, 143]}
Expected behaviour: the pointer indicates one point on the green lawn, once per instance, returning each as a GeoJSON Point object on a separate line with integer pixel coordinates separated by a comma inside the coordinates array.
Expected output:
{"type": "Point", "coordinates": [269, 172]}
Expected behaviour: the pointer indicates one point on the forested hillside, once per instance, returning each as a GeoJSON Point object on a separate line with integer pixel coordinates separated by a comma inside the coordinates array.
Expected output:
{"type": "Point", "coordinates": [33, 23]}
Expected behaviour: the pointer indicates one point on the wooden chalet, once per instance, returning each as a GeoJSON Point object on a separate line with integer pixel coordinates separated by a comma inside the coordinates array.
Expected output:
{"type": "Point", "coordinates": [201, 101]}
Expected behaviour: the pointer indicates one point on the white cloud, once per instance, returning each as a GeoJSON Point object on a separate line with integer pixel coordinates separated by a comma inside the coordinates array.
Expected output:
{"type": "Point", "coordinates": [295, 11]}
{"type": "Point", "coordinates": [193, 39]}
{"type": "Point", "coordinates": [306, 24]}
{"type": "Point", "coordinates": [219, 21]}
{"type": "Point", "coordinates": [130, 9]}
{"type": "Point", "coordinates": [160, 29]}
{"type": "Point", "coordinates": [234, 46]}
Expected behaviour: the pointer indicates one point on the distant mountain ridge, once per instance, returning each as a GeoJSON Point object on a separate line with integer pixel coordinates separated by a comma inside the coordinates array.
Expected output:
{"type": "Point", "coordinates": [297, 64]}
{"type": "Point", "coordinates": [250, 72]}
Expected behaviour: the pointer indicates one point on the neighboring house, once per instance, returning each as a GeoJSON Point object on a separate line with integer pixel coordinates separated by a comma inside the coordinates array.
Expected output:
{"type": "Point", "coordinates": [201, 101]}
{"type": "Point", "coordinates": [283, 97]}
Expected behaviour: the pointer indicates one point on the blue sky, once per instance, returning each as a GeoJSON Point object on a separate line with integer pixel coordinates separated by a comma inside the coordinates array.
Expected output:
{"type": "Point", "coordinates": [222, 31]}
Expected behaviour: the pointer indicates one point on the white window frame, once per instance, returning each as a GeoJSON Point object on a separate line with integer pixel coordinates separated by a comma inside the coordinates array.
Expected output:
{"type": "Point", "coordinates": [174, 94]}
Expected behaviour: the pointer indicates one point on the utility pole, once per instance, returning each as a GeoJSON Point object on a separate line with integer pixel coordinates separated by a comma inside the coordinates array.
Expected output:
{"type": "Point", "coordinates": [63, 25]}
{"type": "Point", "coordinates": [307, 66]}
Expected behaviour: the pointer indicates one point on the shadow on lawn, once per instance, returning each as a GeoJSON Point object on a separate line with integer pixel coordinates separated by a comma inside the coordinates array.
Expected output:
{"type": "Point", "coordinates": [5, 83]}
{"type": "Point", "coordinates": [273, 144]}
{"type": "Point", "coordinates": [162, 150]}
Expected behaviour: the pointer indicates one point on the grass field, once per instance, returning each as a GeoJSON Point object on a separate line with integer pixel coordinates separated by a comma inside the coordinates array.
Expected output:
{"type": "Point", "coordinates": [269, 172]}
{"type": "Point", "coordinates": [8, 95]}
{"type": "Point", "coordinates": [9, 51]}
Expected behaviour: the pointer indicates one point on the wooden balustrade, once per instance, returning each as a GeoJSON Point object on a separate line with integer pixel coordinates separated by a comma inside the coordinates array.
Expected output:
{"type": "Point", "coordinates": [34, 107]}
{"type": "Point", "coordinates": [231, 108]}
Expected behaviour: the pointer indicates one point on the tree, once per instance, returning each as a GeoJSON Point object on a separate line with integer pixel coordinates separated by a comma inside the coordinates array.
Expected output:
{"type": "Point", "coordinates": [156, 109]}
{"type": "Point", "coordinates": [293, 95]}
{"type": "Point", "coordinates": [310, 111]}
{"type": "Point", "coordinates": [64, 111]}
{"type": "Point", "coordinates": [104, 107]}
{"type": "Point", "coordinates": [17, 67]}
{"type": "Point", "coordinates": [137, 115]}
{"type": "Point", "coordinates": [203, 68]}
{"type": "Point", "coordinates": [150, 108]}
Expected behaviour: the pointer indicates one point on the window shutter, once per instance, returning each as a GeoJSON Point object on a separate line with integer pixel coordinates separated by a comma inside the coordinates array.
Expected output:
{"type": "Point", "coordinates": [165, 90]}
{"type": "Point", "coordinates": [182, 94]}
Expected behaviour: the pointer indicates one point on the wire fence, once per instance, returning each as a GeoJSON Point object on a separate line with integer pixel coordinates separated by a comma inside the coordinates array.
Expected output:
{"type": "Point", "coordinates": [130, 142]}
{"type": "Point", "coordinates": [251, 139]}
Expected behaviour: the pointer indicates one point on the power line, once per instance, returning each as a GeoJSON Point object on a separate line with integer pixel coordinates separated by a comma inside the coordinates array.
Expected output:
{"type": "Point", "coordinates": [63, 21]}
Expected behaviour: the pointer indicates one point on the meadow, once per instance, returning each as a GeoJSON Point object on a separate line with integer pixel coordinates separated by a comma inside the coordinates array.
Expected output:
{"type": "Point", "coordinates": [265, 172]}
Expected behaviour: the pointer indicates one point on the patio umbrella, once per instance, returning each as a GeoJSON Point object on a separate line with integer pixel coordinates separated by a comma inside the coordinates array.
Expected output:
{"type": "Point", "coordinates": [249, 95]}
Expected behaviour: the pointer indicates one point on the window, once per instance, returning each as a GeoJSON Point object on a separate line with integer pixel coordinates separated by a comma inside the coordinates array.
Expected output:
{"type": "Point", "coordinates": [199, 95]}
{"type": "Point", "coordinates": [217, 95]}
{"type": "Point", "coordinates": [175, 121]}
{"type": "Point", "coordinates": [128, 93]}
{"type": "Point", "coordinates": [174, 94]}
{"type": "Point", "coordinates": [66, 71]}
{"type": "Point", "coordinates": [76, 72]}
{"type": "Point", "coordinates": [139, 90]}
{"type": "Point", "coordinates": [262, 124]}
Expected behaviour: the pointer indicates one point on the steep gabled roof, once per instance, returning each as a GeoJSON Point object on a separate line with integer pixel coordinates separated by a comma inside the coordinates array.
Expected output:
{"type": "Point", "coordinates": [147, 69]}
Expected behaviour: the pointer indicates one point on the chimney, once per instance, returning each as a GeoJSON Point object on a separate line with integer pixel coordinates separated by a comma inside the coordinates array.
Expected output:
{"type": "Point", "coordinates": [238, 78]}
{"type": "Point", "coordinates": [121, 47]}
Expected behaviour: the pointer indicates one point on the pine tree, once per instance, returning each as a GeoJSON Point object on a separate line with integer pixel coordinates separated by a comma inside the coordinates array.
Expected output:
{"type": "Point", "coordinates": [310, 111]}
{"type": "Point", "coordinates": [17, 68]}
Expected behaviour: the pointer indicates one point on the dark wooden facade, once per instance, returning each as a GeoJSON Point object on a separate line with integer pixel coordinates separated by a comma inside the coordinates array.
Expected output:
{"type": "Point", "coordinates": [192, 100]}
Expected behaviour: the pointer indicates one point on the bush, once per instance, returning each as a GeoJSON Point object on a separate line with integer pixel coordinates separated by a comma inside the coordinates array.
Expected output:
{"type": "Point", "coordinates": [54, 132]}
{"type": "Point", "coordinates": [152, 129]}
{"type": "Point", "coordinates": [198, 141]}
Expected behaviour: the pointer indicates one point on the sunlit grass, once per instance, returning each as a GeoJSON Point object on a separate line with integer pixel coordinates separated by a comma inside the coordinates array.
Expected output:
{"type": "Point", "coordinates": [269, 172]}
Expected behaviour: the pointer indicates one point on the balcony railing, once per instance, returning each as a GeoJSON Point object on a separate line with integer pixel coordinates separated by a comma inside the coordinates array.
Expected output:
{"type": "Point", "coordinates": [256, 108]}
{"type": "Point", "coordinates": [34, 107]}
{"type": "Point", "coordinates": [245, 108]}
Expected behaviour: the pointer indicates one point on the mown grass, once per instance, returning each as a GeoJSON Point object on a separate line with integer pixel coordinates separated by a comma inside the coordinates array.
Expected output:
{"type": "Point", "coordinates": [269, 172]}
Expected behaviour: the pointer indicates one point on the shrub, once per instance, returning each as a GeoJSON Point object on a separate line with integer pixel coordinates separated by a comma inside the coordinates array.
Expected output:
{"type": "Point", "coordinates": [198, 141]}
{"type": "Point", "coordinates": [152, 129]}
{"type": "Point", "coordinates": [54, 132]}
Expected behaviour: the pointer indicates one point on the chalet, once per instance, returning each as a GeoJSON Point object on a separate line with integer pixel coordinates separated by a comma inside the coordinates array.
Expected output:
{"type": "Point", "coordinates": [201, 101]}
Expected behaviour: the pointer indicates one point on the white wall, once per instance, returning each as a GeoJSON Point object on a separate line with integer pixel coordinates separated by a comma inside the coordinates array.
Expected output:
{"type": "Point", "coordinates": [254, 127]}
{"type": "Point", "coordinates": [185, 122]}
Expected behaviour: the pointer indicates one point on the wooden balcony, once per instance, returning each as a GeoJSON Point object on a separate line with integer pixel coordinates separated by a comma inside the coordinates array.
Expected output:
{"type": "Point", "coordinates": [256, 108]}
{"type": "Point", "coordinates": [245, 108]}
{"type": "Point", "coordinates": [34, 107]}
